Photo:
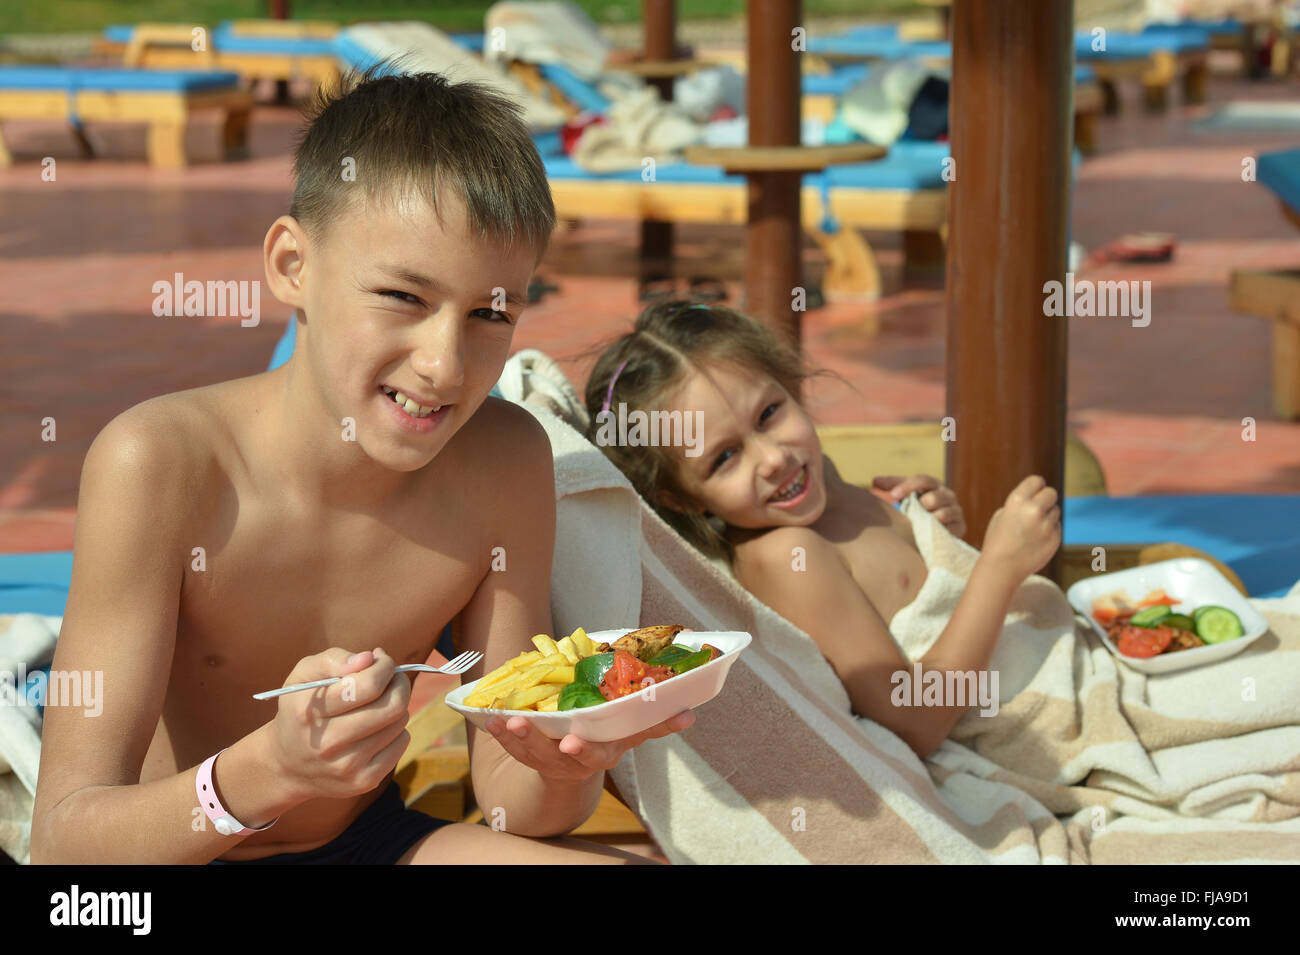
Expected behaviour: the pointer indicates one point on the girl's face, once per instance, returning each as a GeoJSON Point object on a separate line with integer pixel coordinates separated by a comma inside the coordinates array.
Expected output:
{"type": "Point", "coordinates": [761, 464]}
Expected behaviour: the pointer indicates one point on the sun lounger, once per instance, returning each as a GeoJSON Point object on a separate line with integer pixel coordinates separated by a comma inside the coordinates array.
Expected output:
{"type": "Point", "coordinates": [823, 92]}
{"type": "Point", "coordinates": [877, 42]}
{"type": "Point", "coordinates": [163, 99]}
{"type": "Point", "coordinates": [1157, 58]}
{"type": "Point", "coordinates": [903, 192]}
{"type": "Point", "coordinates": [1243, 34]}
{"type": "Point", "coordinates": [279, 50]}
{"type": "Point", "coordinates": [35, 583]}
{"type": "Point", "coordinates": [1276, 294]}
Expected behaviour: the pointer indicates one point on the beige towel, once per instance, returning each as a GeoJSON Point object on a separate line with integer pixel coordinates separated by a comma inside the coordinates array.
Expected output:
{"type": "Point", "coordinates": [638, 127]}
{"type": "Point", "coordinates": [424, 48]}
{"type": "Point", "coordinates": [545, 33]}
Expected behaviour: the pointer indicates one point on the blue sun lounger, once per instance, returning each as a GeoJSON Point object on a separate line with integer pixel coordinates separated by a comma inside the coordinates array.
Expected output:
{"type": "Point", "coordinates": [1157, 56]}
{"type": "Point", "coordinates": [877, 42]}
{"type": "Point", "coordinates": [1226, 34]}
{"type": "Point", "coordinates": [232, 46]}
{"type": "Point", "coordinates": [904, 192]}
{"type": "Point", "coordinates": [162, 98]}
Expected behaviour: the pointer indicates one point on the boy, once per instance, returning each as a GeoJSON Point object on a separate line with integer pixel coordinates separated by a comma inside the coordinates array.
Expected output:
{"type": "Point", "coordinates": [301, 524]}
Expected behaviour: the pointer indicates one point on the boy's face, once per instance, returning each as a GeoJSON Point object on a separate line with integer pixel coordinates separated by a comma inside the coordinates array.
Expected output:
{"type": "Point", "coordinates": [761, 464]}
{"type": "Point", "coordinates": [403, 303]}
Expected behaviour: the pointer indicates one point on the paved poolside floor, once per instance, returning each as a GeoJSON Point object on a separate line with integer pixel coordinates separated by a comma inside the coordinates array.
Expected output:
{"type": "Point", "coordinates": [1162, 406]}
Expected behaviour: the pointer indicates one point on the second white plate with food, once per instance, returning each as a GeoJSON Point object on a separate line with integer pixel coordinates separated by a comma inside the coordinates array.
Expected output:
{"type": "Point", "coordinates": [1192, 583]}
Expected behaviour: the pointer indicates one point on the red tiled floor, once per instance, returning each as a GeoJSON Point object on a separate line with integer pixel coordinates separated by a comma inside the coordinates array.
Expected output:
{"type": "Point", "coordinates": [1161, 406]}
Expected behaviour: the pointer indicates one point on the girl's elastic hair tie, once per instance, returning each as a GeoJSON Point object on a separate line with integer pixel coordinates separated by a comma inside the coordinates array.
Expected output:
{"type": "Point", "coordinates": [609, 395]}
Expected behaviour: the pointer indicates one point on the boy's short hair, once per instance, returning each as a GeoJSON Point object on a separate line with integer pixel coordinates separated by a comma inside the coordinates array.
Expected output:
{"type": "Point", "coordinates": [419, 132]}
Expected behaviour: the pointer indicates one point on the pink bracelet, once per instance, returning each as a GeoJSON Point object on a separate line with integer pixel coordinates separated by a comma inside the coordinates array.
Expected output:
{"type": "Point", "coordinates": [225, 823]}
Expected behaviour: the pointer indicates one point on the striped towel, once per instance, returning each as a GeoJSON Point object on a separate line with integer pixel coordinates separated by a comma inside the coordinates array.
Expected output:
{"type": "Point", "coordinates": [1084, 761]}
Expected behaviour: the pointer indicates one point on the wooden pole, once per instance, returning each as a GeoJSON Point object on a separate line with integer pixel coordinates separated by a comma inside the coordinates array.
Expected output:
{"type": "Point", "coordinates": [659, 19]}
{"type": "Point", "coordinates": [280, 11]}
{"type": "Point", "coordinates": [1013, 66]}
{"type": "Point", "coordinates": [773, 235]}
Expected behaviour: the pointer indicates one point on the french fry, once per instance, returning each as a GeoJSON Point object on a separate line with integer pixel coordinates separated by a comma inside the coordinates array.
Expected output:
{"type": "Point", "coordinates": [525, 698]}
{"type": "Point", "coordinates": [507, 668]}
{"type": "Point", "coordinates": [520, 680]}
{"type": "Point", "coordinates": [534, 678]}
{"type": "Point", "coordinates": [583, 643]}
{"type": "Point", "coordinates": [560, 675]}
{"type": "Point", "coordinates": [567, 648]}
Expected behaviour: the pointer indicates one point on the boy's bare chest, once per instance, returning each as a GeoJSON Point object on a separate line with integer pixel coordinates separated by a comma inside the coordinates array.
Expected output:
{"type": "Point", "coordinates": [274, 588]}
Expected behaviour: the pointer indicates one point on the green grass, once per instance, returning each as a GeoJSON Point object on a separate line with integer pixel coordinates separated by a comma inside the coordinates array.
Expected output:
{"type": "Point", "coordinates": [79, 16]}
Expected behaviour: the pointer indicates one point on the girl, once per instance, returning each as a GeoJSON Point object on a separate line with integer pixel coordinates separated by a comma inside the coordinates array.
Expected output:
{"type": "Point", "coordinates": [756, 485]}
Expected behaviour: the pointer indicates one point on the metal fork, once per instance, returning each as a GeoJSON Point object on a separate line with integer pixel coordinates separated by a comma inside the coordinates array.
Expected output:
{"type": "Point", "coordinates": [456, 665]}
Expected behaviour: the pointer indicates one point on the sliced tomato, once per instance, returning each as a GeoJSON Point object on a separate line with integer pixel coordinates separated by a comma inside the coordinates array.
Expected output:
{"type": "Point", "coordinates": [1142, 641]}
{"type": "Point", "coordinates": [629, 675]}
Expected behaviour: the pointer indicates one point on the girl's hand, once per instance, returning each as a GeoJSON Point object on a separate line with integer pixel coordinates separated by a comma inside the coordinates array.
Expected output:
{"type": "Point", "coordinates": [1025, 532]}
{"type": "Point", "coordinates": [938, 500]}
{"type": "Point", "coordinates": [573, 758]}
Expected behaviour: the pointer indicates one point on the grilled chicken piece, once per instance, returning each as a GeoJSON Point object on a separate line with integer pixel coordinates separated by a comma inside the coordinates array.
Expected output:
{"type": "Point", "coordinates": [1183, 640]}
{"type": "Point", "coordinates": [646, 642]}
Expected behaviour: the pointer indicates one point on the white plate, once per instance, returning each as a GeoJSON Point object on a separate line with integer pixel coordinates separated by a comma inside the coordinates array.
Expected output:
{"type": "Point", "coordinates": [632, 714]}
{"type": "Point", "coordinates": [1193, 583]}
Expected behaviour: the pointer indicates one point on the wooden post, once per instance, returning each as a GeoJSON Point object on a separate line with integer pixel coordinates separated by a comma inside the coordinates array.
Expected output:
{"type": "Point", "coordinates": [1013, 65]}
{"type": "Point", "coordinates": [280, 11]}
{"type": "Point", "coordinates": [660, 25]}
{"type": "Point", "coordinates": [773, 236]}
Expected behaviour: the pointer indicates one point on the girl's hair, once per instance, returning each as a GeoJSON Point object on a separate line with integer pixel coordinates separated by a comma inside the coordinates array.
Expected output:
{"type": "Point", "coordinates": [644, 367]}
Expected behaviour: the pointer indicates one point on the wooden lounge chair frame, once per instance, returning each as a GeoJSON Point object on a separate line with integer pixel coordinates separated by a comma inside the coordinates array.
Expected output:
{"type": "Point", "coordinates": [167, 46]}
{"type": "Point", "coordinates": [1157, 73]}
{"type": "Point", "coordinates": [166, 111]}
{"type": "Point", "coordinates": [1276, 295]}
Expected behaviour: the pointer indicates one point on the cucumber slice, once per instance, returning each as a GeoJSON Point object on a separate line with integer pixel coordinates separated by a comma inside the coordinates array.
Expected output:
{"type": "Point", "coordinates": [1196, 614]}
{"type": "Point", "coordinates": [1218, 625]}
{"type": "Point", "coordinates": [1179, 620]}
{"type": "Point", "coordinates": [1150, 616]}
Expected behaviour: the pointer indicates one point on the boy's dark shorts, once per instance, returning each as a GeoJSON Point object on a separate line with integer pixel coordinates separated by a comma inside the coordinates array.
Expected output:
{"type": "Point", "coordinates": [379, 836]}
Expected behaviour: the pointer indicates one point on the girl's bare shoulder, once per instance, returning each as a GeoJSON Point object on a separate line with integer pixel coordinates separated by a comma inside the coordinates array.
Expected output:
{"type": "Point", "coordinates": [776, 550]}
